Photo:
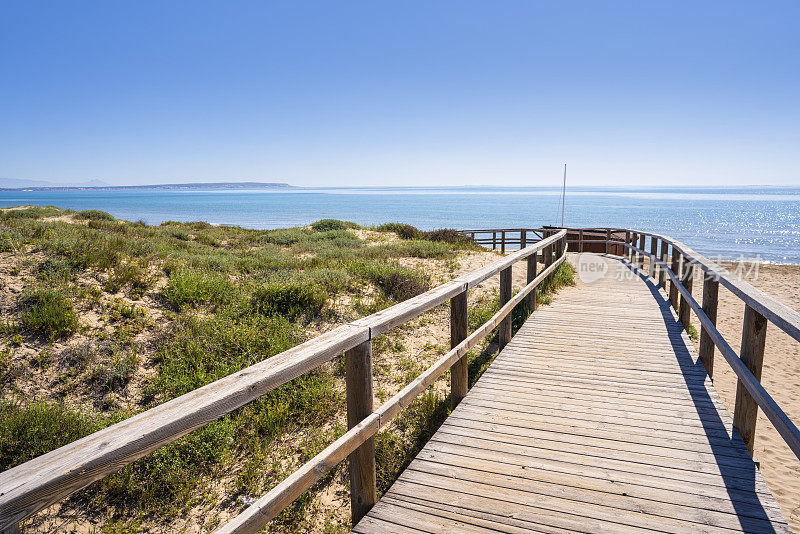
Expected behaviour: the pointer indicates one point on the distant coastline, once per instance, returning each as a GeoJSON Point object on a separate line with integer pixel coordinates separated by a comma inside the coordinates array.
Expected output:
{"type": "Point", "coordinates": [193, 185]}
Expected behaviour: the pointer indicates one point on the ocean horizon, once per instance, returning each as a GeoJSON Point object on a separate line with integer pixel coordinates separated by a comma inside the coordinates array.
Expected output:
{"type": "Point", "coordinates": [750, 223]}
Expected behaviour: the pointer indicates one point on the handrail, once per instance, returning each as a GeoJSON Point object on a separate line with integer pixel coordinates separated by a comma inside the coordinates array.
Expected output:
{"type": "Point", "coordinates": [777, 312]}
{"type": "Point", "coordinates": [785, 427]}
{"type": "Point", "coordinates": [759, 307]}
{"type": "Point", "coordinates": [267, 507]}
{"type": "Point", "coordinates": [30, 487]}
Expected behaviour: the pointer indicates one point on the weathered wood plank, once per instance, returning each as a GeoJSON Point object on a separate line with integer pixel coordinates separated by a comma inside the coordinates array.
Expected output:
{"type": "Point", "coordinates": [572, 429]}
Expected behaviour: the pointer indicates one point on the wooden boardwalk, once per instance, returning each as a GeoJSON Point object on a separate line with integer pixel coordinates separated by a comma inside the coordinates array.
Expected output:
{"type": "Point", "coordinates": [597, 417]}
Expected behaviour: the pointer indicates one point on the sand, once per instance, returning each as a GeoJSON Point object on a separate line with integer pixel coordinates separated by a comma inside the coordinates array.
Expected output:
{"type": "Point", "coordinates": [781, 378]}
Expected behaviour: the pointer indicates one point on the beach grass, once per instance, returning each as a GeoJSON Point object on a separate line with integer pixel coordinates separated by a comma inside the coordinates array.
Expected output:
{"type": "Point", "coordinates": [122, 316]}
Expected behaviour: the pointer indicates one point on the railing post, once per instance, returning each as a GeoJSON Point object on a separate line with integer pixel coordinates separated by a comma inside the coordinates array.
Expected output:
{"type": "Point", "coordinates": [502, 242]}
{"type": "Point", "coordinates": [662, 273]}
{"type": "Point", "coordinates": [685, 311]}
{"type": "Point", "coordinates": [642, 237]}
{"type": "Point", "coordinates": [494, 240]}
{"type": "Point", "coordinates": [754, 335]}
{"type": "Point", "coordinates": [580, 240]}
{"type": "Point", "coordinates": [547, 252]}
{"type": "Point", "coordinates": [530, 298]}
{"type": "Point", "coordinates": [673, 287]}
{"type": "Point", "coordinates": [608, 240]}
{"type": "Point", "coordinates": [358, 381]}
{"type": "Point", "coordinates": [523, 239]}
{"type": "Point", "coordinates": [710, 300]}
{"type": "Point", "coordinates": [459, 378]}
{"type": "Point", "coordinates": [628, 253]}
{"type": "Point", "coordinates": [654, 255]}
{"type": "Point", "coordinates": [505, 296]}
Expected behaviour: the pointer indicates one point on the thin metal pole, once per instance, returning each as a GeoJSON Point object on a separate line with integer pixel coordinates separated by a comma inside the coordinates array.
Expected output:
{"type": "Point", "coordinates": [563, 194]}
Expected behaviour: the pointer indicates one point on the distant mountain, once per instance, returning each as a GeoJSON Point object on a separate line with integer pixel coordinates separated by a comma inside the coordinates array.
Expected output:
{"type": "Point", "coordinates": [16, 183]}
{"type": "Point", "coordinates": [12, 183]}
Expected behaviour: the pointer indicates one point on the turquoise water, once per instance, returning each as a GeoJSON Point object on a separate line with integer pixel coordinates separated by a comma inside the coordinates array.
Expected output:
{"type": "Point", "coordinates": [723, 223]}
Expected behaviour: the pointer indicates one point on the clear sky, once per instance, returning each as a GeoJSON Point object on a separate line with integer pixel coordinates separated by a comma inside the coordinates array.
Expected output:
{"type": "Point", "coordinates": [401, 93]}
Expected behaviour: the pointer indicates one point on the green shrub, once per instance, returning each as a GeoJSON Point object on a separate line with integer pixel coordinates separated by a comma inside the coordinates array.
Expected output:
{"type": "Point", "coordinates": [404, 231]}
{"type": "Point", "coordinates": [94, 215]}
{"type": "Point", "coordinates": [195, 286]}
{"type": "Point", "coordinates": [32, 212]}
{"type": "Point", "coordinates": [207, 240]}
{"type": "Point", "coordinates": [128, 273]}
{"type": "Point", "coordinates": [115, 374]}
{"type": "Point", "coordinates": [53, 270]}
{"type": "Point", "coordinates": [30, 431]}
{"type": "Point", "coordinates": [202, 350]}
{"type": "Point", "coordinates": [332, 281]}
{"type": "Point", "coordinates": [325, 225]}
{"type": "Point", "coordinates": [395, 281]}
{"type": "Point", "coordinates": [286, 237]}
{"type": "Point", "coordinates": [448, 235]}
{"type": "Point", "coordinates": [48, 312]}
{"type": "Point", "coordinates": [10, 240]}
{"type": "Point", "coordinates": [288, 299]}
{"type": "Point", "coordinates": [330, 240]}
{"type": "Point", "coordinates": [179, 234]}
{"type": "Point", "coordinates": [421, 249]}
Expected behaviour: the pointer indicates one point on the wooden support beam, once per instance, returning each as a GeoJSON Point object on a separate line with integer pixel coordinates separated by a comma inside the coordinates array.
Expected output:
{"type": "Point", "coordinates": [710, 300]}
{"type": "Point", "coordinates": [685, 311]}
{"type": "Point", "coordinates": [530, 300]}
{"type": "Point", "coordinates": [662, 275]}
{"type": "Point", "coordinates": [654, 251]}
{"type": "Point", "coordinates": [673, 288]}
{"type": "Point", "coordinates": [580, 240]}
{"type": "Point", "coordinates": [642, 238]}
{"type": "Point", "coordinates": [494, 240]}
{"type": "Point", "coordinates": [358, 380]}
{"type": "Point", "coordinates": [754, 336]}
{"type": "Point", "coordinates": [608, 240]}
{"type": "Point", "coordinates": [523, 238]}
{"type": "Point", "coordinates": [459, 377]}
{"type": "Point", "coordinates": [502, 242]}
{"type": "Point", "coordinates": [505, 296]}
{"type": "Point", "coordinates": [628, 253]}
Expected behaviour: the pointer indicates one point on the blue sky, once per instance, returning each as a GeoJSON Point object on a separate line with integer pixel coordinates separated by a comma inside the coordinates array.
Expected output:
{"type": "Point", "coordinates": [401, 93]}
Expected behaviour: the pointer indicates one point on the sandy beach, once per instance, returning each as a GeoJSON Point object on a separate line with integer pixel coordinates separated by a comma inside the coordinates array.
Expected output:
{"type": "Point", "coordinates": [781, 377]}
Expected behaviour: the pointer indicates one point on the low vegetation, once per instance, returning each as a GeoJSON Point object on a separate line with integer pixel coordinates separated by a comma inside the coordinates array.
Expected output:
{"type": "Point", "coordinates": [104, 318]}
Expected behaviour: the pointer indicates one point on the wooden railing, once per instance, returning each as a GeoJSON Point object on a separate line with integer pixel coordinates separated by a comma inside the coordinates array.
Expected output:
{"type": "Point", "coordinates": [36, 484]}
{"type": "Point", "coordinates": [679, 265]}
{"type": "Point", "coordinates": [673, 261]}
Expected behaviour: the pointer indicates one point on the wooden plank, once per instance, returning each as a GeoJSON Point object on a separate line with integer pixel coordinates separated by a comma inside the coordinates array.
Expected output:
{"type": "Point", "coordinates": [654, 252]}
{"type": "Point", "coordinates": [673, 288]}
{"type": "Point", "coordinates": [531, 267]}
{"type": "Point", "coordinates": [754, 334]}
{"type": "Point", "coordinates": [710, 301]}
{"type": "Point", "coordinates": [505, 296]}
{"type": "Point", "coordinates": [459, 381]}
{"type": "Point", "coordinates": [771, 308]}
{"type": "Point", "coordinates": [685, 310]}
{"type": "Point", "coordinates": [358, 379]}
{"type": "Point", "coordinates": [36, 484]}
{"type": "Point", "coordinates": [572, 429]}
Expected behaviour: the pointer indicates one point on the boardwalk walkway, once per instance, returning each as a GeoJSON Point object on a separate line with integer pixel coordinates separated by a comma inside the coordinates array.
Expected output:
{"type": "Point", "coordinates": [597, 417]}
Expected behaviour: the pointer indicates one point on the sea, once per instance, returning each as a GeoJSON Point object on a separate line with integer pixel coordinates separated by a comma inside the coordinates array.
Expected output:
{"type": "Point", "coordinates": [748, 223]}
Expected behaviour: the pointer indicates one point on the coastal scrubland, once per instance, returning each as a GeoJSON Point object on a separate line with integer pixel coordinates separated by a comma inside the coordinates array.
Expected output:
{"type": "Point", "coordinates": [102, 319]}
